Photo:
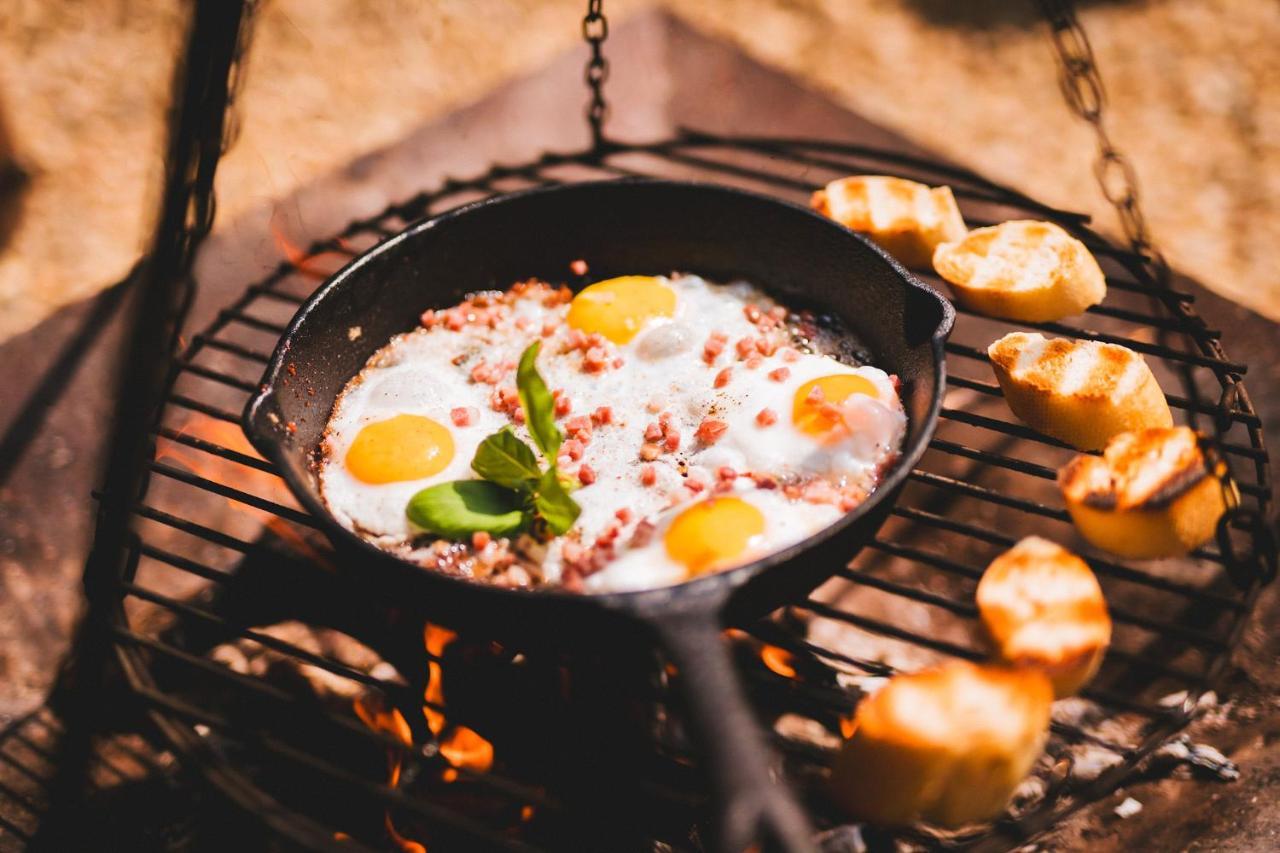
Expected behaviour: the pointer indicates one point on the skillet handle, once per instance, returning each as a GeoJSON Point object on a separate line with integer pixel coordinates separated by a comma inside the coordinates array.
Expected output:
{"type": "Point", "coordinates": [751, 807]}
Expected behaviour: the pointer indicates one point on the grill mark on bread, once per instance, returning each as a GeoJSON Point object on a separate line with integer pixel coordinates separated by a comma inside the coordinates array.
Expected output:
{"type": "Point", "coordinates": [1102, 482]}
{"type": "Point", "coordinates": [1069, 367]}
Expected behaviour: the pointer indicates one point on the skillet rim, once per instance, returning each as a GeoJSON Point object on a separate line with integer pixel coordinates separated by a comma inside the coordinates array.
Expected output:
{"type": "Point", "coordinates": [716, 587]}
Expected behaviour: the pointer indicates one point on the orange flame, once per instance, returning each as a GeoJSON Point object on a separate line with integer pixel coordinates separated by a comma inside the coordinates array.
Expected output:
{"type": "Point", "coordinates": [252, 480]}
{"type": "Point", "coordinates": [778, 660]}
{"type": "Point", "coordinates": [321, 265]}
{"type": "Point", "coordinates": [848, 725]}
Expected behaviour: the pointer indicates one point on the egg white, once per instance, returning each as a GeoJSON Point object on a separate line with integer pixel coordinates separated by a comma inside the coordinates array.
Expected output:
{"type": "Point", "coordinates": [427, 372]}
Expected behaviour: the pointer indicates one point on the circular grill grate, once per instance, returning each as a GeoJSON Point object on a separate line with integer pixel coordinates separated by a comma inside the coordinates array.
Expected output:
{"type": "Point", "coordinates": [904, 602]}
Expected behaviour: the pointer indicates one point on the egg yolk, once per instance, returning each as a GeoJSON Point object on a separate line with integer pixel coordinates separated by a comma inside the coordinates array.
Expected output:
{"type": "Point", "coordinates": [813, 411]}
{"type": "Point", "coordinates": [712, 534]}
{"type": "Point", "coordinates": [406, 447]}
{"type": "Point", "coordinates": [618, 308]}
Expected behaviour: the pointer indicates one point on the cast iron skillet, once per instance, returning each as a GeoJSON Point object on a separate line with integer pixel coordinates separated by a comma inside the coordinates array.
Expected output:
{"type": "Point", "coordinates": [619, 227]}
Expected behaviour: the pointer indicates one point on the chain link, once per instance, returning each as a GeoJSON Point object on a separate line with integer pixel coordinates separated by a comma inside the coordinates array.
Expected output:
{"type": "Point", "coordinates": [595, 29]}
{"type": "Point", "coordinates": [1087, 97]}
{"type": "Point", "coordinates": [1082, 88]}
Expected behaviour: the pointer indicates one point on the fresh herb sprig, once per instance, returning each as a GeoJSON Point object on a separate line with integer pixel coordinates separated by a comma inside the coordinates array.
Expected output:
{"type": "Point", "coordinates": [514, 493]}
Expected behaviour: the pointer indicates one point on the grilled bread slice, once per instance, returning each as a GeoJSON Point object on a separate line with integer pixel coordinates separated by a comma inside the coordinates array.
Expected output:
{"type": "Point", "coordinates": [1153, 493]}
{"type": "Point", "coordinates": [1023, 270]}
{"type": "Point", "coordinates": [948, 745]}
{"type": "Point", "coordinates": [907, 219]}
{"type": "Point", "coordinates": [1080, 392]}
{"type": "Point", "coordinates": [1042, 607]}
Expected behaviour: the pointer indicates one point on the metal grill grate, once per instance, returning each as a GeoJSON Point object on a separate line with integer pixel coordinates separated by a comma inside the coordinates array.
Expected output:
{"type": "Point", "coordinates": [906, 601]}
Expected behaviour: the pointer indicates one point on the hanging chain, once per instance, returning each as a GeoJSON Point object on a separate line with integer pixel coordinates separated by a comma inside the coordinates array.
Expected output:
{"type": "Point", "coordinates": [1085, 95]}
{"type": "Point", "coordinates": [1082, 87]}
{"type": "Point", "coordinates": [595, 29]}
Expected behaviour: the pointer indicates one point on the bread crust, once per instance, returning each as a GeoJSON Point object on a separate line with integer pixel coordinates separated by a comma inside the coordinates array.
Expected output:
{"type": "Point", "coordinates": [1025, 270]}
{"type": "Point", "coordinates": [1080, 392]}
{"type": "Point", "coordinates": [947, 745]}
{"type": "Point", "coordinates": [1042, 607]}
{"type": "Point", "coordinates": [1152, 494]}
{"type": "Point", "coordinates": [908, 219]}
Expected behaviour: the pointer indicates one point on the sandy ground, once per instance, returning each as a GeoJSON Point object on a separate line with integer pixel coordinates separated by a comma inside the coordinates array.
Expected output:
{"type": "Point", "coordinates": [1192, 84]}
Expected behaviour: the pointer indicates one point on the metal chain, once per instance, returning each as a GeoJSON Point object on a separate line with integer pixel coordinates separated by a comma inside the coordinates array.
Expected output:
{"type": "Point", "coordinates": [595, 29]}
{"type": "Point", "coordinates": [1087, 97]}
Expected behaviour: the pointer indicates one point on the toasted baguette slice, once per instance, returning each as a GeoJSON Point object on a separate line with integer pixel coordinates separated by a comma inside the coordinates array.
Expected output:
{"type": "Point", "coordinates": [907, 219]}
{"type": "Point", "coordinates": [1080, 392]}
{"type": "Point", "coordinates": [948, 745]}
{"type": "Point", "coordinates": [1153, 493]}
{"type": "Point", "coordinates": [1042, 607]}
{"type": "Point", "coordinates": [1023, 270]}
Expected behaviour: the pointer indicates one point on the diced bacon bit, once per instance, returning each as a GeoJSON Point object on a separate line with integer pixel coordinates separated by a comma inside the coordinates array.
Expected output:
{"type": "Point", "coordinates": [578, 267]}
{"type": "Point", "coordinates": [608, 535]}
{"type": "Point", "coordinates": [694, 485]}
{"type": "Point", "coordinates": [653, 407]}
{"type": "Point", "coordinates": [652, 432]}
{"type": "Point", "coordinates": [548, 328]}
{"type": "Point", "coordinates": [518, 415]}
{"type": "Point", "coordinates": [671, 441]}
{"type": "Point", "coordinates": [464, 415]}
{"type": "Point", "coordinates": [765, 481]}
{"type": "Point", "coordinates": [744, 347]}
{"type": "Point", "coordinates": [563, 404]}
{"type": "Point", "coordinates": [643, 533]}
{"type": "Point", "coordinates": [724, 472]}
{"type": "Point", "coordinates": [602, 416]}
{"type": "Point", "coordinates": [820, 492]}
{"type": "Point", "coordinates": [848, 503]}
{"type": "Point", "coordinates": [483, 372]}
{"type": "Point", "coordinates": [815, 396]}
{"type": "Point", "coordinates": [648, 476]}
{"type": "Point", "coordinates": [573, 448]}
{"type": "Point", "coordinates": [480, 539]}
{"type": "Point", "coordinates": [767, 323]}
{"type": "Point", "coordinates": [723, 377]}
{"type": "Point", "coordinates": [829, 411]}
{"type": "Point", "coordinates": [790, 355]}
{"type": "Point", "coordinates": [754, 362]}
{"type": "Point", "coordinates": [586, 474]}
{"type": "Point", "coordinates": [650, 452]}
{"type": "Point", "coordinates": [458, 359]}
{"type": "Point", "coordinates": [766, 346]}
{"type": "Point", "coordinates": [780, 374]}
{"type": "Point", "coordinates": [715, 345]}
{"type": "Point", "coordinates": [752, 312]}
{"type": "Point", "coordinates": [664, 420]}
{"type": "Point", "coordinates": [574, 340]}
{"type": "Point", "coordinates": [579, 427]}
{"type": "Point", "coordinates": [454, 320]}
{"type": "Point", "coordinates": [428, 318]}
{"type": "Point", "coordinates": [595, 339]}
{"type": "Point", "coordinates": [778, 313]}
{"type": "Point", "coordinates": [291, 427]}
{"type": "Point", "coordinates": [617, 362]}
{"type": "Point", "coordinates": [595, 360]}
{"type": "Point", "coordinates": [766, 417]}
{"type": "Point", "coordinates": [710, 430]}
{"type": "Point", "coordinates": [557, 297]}
{"type": "Point", "coordinates": [792, 491]}
{"type": "Point", "coordinates": [522, 323]}
{"type": "Point", "coordinates": [571, 552]}
{"type": "Point", "coordinates": [896, 381]}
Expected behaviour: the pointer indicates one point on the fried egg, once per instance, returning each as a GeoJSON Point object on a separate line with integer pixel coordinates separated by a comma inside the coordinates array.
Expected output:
{"type": "Point", "coordinates": [705, 425]}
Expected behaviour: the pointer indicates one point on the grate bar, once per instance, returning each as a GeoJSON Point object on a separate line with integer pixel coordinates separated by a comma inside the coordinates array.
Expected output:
{"type": "Point", "coordinates": [1102, 567]}
{"type": "Point", "coordinates": [218, 376]}
{"type": "Point", "coordinates": [285, 512]}
{"type": "Point", "coordinates": [231, 347]}
{"type": "Point", "coordinates": [215, 449]}
{"type": "Point", "coordinates": [204, 408]}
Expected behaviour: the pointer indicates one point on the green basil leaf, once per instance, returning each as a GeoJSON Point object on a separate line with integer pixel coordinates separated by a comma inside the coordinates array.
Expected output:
{"type": "Point", "coordinates": [504, 459]}
{"type": "Point", "coordinates": [538, 404]}
{"type": "Point", "coordinates": [456, 510]}
{"type": "Point", "coordinates": [553, 503]}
